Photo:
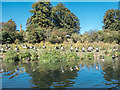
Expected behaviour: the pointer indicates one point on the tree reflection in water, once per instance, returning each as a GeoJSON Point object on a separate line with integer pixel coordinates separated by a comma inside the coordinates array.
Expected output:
{"type": "Point", "coordinates": [111, 71]}
{"type": "Point", "coordinates": [61, 75]}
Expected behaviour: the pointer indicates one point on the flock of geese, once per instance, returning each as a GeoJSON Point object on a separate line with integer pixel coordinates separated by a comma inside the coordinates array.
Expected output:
{"type": "Point", "coordinates": [89, 49]}
{"type": "Point", "coordinates": [76, 49]}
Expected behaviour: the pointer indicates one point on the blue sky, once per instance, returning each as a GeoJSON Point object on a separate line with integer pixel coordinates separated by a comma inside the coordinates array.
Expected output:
{"type": "Point", "coordinates": [90, 14]}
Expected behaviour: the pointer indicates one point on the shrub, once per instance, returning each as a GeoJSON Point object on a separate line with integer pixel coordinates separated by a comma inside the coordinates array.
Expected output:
{"type": "Point", "coordinates": [50, 56]}
{"type": "Point", "coordinates": [34, 56]}
{"type": "Point", "coordinates": [71, 56]}
{"type": "Point", "coordinates": [76, 37]}
{"type": "Point", "coordinates": [11, 55]}
{"type": "Point", "coordinates": [106, 52]}
{"type": "Point", "coordinates": [90, 56]}
{"type": "Point", "coordinates": [55, 39]}
{"type": "Point", "coordinates": [57, 56]}
{"type": "Point", "coordinates": [23, 55]}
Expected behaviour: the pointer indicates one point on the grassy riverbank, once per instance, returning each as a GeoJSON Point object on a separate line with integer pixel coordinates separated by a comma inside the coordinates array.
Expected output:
{"type": "Point", "coordinates": [51, 55]}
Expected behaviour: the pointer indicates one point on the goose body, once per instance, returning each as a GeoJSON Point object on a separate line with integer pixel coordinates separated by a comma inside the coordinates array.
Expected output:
{"type": "Point", "coordinates": [2, 49]}
{"type": "Point", "coordinates": [113, 56]}
{"type": "Point", "coordinates": [83, 49]}
{"type": "Point", "coordinates": [76, 49]}
{"type": "Point", "coordinates": [31, 47]}
{"type": "Point", "coordinates": [56, 47]}
{"type": "Point", "coordinates": [71, 69]}
{"type": "Point", "coordinates": [97, 49]}
{"type": "Point", "coordinates": [62, 48]}
{"type": "Point", "coordinates": [16, 49]}
{"type": "Point", "coordinates": [71, 48]}
{"type": "Point", "coordinates": [44, 47]}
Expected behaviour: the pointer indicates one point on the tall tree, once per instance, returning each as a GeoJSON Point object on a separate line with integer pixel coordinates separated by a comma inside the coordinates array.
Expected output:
{"type": "Point", "coordinates": [111, 20]}
{"type": "Point", "coordinates": [62, 17]}
{"type": "Point", "coordinates": [9, 26]}
{"type": "Point", "coordinates": [41, 16]}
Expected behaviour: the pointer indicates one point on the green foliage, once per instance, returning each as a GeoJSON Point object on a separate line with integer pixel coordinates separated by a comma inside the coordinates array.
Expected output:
{"type": "Point", "coordinates": [106, 52]}
{"type": "Point", "coordinates": [111, 20]}
{"type": "Point", "coordinates": [9, 33]}
{"type": "Point", "coordinates": [71, 56]}
{"type": "Point", "coordinates": [90, 56]}
{"type": "Point", "coordinates": [36, 36]}
{"type": "Point", "coordinates": [34, 56]}
{"type": "Point", "coordinates": [46, 20]}
{"type": "Point", "coordinates": [23, 55]}
{"type": "Point", "coordinates": [11, 55]}
{"type": "Point", "coordinates": [57, 56]}
{"type": "Point", "coordinates": [41, 16]}
{"type": "Point", "coordinates": [117, 54]}
{"type": "Point", "coordinates": [76, 37]}
{"type": "Point", "coordinates": [9, 26]}
{"type": "Point", "coordinates": [6, 38]}
{"type": "Point", "coordinates": [57, 36]}
{"type": "Point", "coordinates": [55, 39]}
{"type": "Point", "coordinates": [64, 18]}
{"type": "Point", "coordinates": [105, 36]}
{"type": "Point", "coordinates": [22, 35]}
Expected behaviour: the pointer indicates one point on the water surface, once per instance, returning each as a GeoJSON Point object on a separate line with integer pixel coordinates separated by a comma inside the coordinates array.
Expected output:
{"type": "Point", "coordinates": [84, 74]}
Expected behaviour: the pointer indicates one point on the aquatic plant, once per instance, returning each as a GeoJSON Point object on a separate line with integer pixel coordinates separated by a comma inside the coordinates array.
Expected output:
{"type": "Point", "coordinates": [11, 55]}
{"type": "Point", "coordinates": [34, 55]}
{"type": "Point", "coordinates": [57, 56]}
{"type": "Point", "coordinates": [24, 55]}
{"type": "Point", "coordinates": [90, 56]}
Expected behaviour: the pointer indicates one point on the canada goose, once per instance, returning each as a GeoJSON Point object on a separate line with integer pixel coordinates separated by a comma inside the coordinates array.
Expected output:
{"type": "Point", "coordinates": [44, 46]}
{"type": "Point", "coordinates": [56, 47]}
{"type": "Point", "coordinates": [62, 48]}
{"type": "Point", "coordinates": [113, 56]}
{"type": "Point", "coordinates": [114, 49]}
{"type": "Point", "coordinates": [34, 48]}
{"type": "Point", "coordinates": [76, 49]}
{"type": "Point", "coordinates": [27, 59]}
{"type": "Point", "coordinates": [31, 46]}
{"type": "Point", "coordinates": [90, 48]}
{"type": "Point", "coordinates": [2, 49]}
{"type": "Point", "coordinates": [76, 67]}
{"type": "Point", "coordinates": [16, 48]}
{"type": "Point", "coordinates": [83, 49]}
{"type": "Point", "coordinates": [97, 49]}
{"type": "Point", "coordinates": [7, 47]}
{"type": "Point", "coordinates": [33, 70]}
{"type": "Point", "coordinates": [71, 48]}
{"type": "Point", "coordinates": [62, 69]}
{"type": "Point", "coordinates": [71, 69]}
{"type": "Point", "coordinates": [23, 46]}
{"type": "Point", "coordinates": [27, 46]}
{"type": "Point", "coordinates": [103, 58]}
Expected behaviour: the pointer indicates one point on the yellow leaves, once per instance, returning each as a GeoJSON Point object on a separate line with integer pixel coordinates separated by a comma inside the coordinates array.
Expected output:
{"type": "Point", "coordinates": [13, 44]}
{"type": "Point", "coordinates": [56, 44]}
{"type": "Point", "coordinates": [20, 48]}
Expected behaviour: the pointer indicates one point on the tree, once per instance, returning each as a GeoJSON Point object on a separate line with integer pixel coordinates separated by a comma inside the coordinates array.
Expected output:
{"type": "Point", "coordinates": [9, 26]}
{"type": "Point", "coordinates": [9, 33]}
{"type": "Point", "coordinates": [36, 36]}
{"type": "Point", "coordinates": [111, 20]}
{"type": "Point", "coordinates": [41, 16]}
{"type": "Point", "coordinates": [62, 17]}
{"type": "Point", "coordinates": [6, 38]}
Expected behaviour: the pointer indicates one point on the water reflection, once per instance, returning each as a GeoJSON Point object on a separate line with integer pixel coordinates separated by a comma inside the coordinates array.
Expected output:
{"type": "Point", "coordinates": [64, 74]}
